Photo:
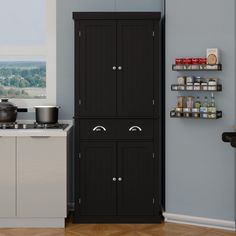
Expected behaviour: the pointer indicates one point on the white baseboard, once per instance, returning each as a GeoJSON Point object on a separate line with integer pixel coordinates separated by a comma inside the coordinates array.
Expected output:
{"type": "Point", "coordinates": [199, 221]}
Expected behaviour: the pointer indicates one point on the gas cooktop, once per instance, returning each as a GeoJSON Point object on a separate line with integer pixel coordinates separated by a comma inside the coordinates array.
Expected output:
{"type": "Point", "coordinates": [32, 126]}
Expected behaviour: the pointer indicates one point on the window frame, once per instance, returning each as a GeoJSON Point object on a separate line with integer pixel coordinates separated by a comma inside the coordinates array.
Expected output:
{"type": "Point", "coordinates": [48, 52]}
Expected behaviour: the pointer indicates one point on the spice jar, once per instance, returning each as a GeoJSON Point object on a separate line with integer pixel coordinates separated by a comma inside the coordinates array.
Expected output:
{"type": "Point", "coordinates": [195, 63]}
{"type": "Point", "coordinates": [204, 86]}
{"type": "Point", "coordinates": [172, 113]}
{"type": "Point", "coordinates": [189, 86]}
{"type": "Point", "coordinates": [180, 103]}
{"type": "Point", "coordinates": [203, 62]}
{"type": "Point", "coordinates": [196, 86]}
{"type": "Point", "coordinates": [178, 111]}
{"type": "Point", "coordinates": [190, 79]}
{"type": "Point", "coordinates": [212, 84]}
{"type": "Point", "coordinates": [189, 102]}
{"type": "Point", "coordinates": [179, 63]}
{"type": "Point", "coordinates": [187, 112]}
{"type": "Point", "coordinates": [187, 63]}
{"type": "Point", "coordinates": [195, 112]}
{"type": "Point", "coordinates": [181, 80]}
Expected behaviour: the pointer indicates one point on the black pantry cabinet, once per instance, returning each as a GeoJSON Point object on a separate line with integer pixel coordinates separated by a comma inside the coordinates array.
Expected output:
{"type": "Point", "coordinates": [118, 111]}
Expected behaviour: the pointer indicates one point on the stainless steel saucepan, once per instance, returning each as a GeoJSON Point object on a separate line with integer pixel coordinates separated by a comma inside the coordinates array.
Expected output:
{"type": "Point", "coordinates": [46, 114]}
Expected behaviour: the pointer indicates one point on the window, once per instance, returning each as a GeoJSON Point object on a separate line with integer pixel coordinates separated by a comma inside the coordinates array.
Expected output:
{"type": "Point", "coordinates": [28, 51]}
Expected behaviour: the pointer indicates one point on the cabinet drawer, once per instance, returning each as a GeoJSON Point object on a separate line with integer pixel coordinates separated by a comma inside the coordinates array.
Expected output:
{"type": "Point", "coordinates": [135, 129]}
{"type": "Point", "coordinates": [116, 129]}
{"type": "Point", "coordinates": [97, 129]}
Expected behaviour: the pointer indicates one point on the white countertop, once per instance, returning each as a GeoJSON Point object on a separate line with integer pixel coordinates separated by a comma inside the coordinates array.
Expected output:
{"type": "Point", "coordinates": [36, 132]}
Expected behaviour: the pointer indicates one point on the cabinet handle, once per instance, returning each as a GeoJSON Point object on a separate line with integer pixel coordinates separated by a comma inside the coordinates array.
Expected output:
{"type": "Point", "coordinates": [119, 179]}
{"type": "Point", "coordinates": [114, 68]}
{"type": "Point", "coordinates": [40, 136]}
{"type": "Point", "coordinates": [99, 128]}
{"type": "Point", "coordinates": [135, 129]}
{"type": "Point", "coordinates": [119, 67]}
{"type": "Point", "coordinates": [114, 179]}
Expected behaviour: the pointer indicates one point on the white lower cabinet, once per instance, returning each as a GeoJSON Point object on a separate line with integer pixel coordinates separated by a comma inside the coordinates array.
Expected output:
{"type": "Point", "coordinates": [33, 183]}
{"type": "Point", "coordinates": [7, 177]}
{"type": "Point", "coordinates": [41, 177]}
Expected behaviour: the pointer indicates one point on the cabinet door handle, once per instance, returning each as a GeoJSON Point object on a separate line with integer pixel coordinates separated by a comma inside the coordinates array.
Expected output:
{"type": "Point", "coordinates": [135, 129]}
{"type": "Point", "coordinates": [40, 136]}
{"type": "Point", "coordinates": [114, 179]}
{"type": "Point", "coordinates": [119, 67]}
{"type": "Point", "coordinates": [99, 128]}
{"type": "Point", "coordinates": [119, 179]}
{"type": "Point", "coordinates": [114, 68]}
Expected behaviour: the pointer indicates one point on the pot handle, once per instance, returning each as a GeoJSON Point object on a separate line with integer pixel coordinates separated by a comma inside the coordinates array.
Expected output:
{"type": "Point", "coordinates": [22, 109]}
{"type": "Point", "coordinates": [4, 99]}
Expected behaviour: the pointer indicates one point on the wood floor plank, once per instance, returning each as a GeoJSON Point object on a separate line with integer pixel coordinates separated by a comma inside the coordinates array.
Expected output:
{"type": "Point", "coordinates": [164, 229]}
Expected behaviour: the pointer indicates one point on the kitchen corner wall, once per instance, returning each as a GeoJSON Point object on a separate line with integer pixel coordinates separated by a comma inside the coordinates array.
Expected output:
{"type": "Point", "coordinates": [65, 40]}
{"type": "Point", "coordinates": [200, 179]}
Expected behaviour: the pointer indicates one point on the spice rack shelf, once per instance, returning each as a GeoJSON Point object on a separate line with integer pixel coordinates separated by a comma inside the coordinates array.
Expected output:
{"type": "Point", "coordinates": [205, 88]}
{"type": "Point", "coordinates": [201, 67]}
{"type": "Point", "coordinates": [196, 115]}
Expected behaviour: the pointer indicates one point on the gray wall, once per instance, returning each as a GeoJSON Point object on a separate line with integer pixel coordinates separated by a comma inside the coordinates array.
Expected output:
{"type": "Point", "coordinates": [200, 168]}
{"type": "Point", "coordinates": [65, 40]}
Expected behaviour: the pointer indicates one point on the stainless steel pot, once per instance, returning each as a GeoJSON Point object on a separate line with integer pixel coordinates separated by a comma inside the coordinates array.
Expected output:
{"type": "Point", "coordinates": [46, 114]}
{"type": "Point", "coordinates": [8, 111]}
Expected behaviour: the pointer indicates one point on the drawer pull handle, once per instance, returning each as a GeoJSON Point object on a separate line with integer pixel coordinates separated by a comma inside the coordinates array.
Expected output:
{"type": "Point", "coordinates": [99, 128]}
{"type": "Point", "coordinates": [135, 129]}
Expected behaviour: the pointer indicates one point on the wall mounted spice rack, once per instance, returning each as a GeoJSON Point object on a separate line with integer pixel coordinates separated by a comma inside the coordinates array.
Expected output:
{"type": "Point", "coordinates": [199, 67]}
{"type": "Point", "coordinates": [196, 115]}
{"type": "Point", "coordinates": [205, 88]}
{"type": "Point", "coordinates": [181, 113]}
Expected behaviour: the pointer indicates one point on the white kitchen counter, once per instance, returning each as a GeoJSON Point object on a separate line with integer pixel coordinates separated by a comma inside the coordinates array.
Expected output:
{"type": "Point", "coordinates": [35, 132]}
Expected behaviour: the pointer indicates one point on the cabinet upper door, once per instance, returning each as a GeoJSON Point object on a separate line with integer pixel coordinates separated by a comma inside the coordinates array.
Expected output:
{"type": "Point", "coordinates": [97, 77]}
{"type": "Point", "coordinates": [96, 173]}
{"type": "Point", "coordinates": [135, 179]}
{"type": "Point", "coordinates": [135, 67]}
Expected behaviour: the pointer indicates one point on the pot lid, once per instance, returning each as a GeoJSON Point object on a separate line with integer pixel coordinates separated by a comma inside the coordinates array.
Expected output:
{"type": "Point", "coordinates": [5, 105]}
{"type": "Point", "coordinates": [47, 107]}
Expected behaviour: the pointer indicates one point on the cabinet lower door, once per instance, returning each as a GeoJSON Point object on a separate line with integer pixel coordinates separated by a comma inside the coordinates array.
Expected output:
{"type": "Point", "coordinates": [7, 176]}
{"type": "Point", "coordinates": [97, 186]}
{"type": "Point", "coordinates": [41, 177]}
{"type": "Point", "coordinates": [135, 179]}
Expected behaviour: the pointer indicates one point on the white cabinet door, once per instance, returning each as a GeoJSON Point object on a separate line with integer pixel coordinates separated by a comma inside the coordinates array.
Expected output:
{"type": "Point", "coordinates": [7, 176]}
{"type": "Point", "coordinates": [41, 176]}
